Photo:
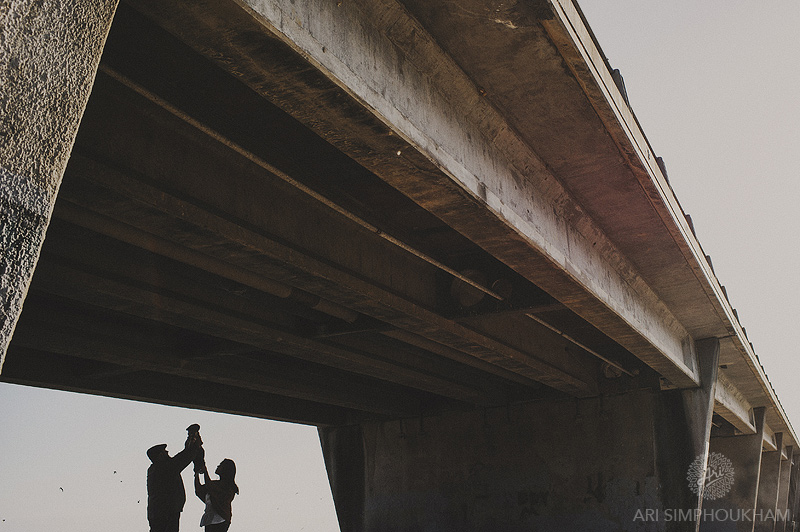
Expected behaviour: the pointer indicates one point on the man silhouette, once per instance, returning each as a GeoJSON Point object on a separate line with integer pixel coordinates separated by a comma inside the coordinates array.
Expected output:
{"type": "Point", "coordinates": [165, 493]}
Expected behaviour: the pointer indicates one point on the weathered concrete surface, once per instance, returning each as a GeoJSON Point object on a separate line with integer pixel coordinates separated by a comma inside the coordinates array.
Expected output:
{"type": "Point", "coordinates": [478, 170]}
{"type": "Point", "coordinates": [672, 262]}
{"type": "Point", "coordinates": [794, 495]}
{"type": "Point", "coordinates": [732, 405]}
{"type": "Point", "coordinates": [597, 464]}
{"type": "Point", "coordinates": [699, 402]}
{"type": "Point", "coordinates": [744, 452]}
{"type": "Point", "coordinates": [676, 454]}
{"type": "Point", "coordinates": [49, 54]}
{"type": "Point", "coordinates": [343, 449]}
{"type": "Point", "coordinates": [470, 160]}
{"type": "Point", "coordinates": [677, 438]}
{"type": "Point", "coordinates": [527, 175]}
{"type": "Point", "coordinates": [769, 485]}
{"type": "Point", "coordinates": [783, 488]}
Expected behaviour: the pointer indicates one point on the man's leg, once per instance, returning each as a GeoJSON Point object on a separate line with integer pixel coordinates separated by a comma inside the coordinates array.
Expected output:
{"type": "Point", "coordinates": [158, 523]}
{"type": "Point", "coordinates": [165, 522]}
{"type": "Point", "coordinates": [174, 522]}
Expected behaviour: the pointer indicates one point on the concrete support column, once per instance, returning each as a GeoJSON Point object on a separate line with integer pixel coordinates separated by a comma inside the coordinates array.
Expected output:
{"type": "Point", "coordinates": [607, 463]}
{"type": "Point", "coordinates": [683, 427]}
{"type": "Point", "coordinates": [699, 402]}
{"type": "Point", "coordinates": [768, 486]}
{"type": "Point", "coordinates": [783, 490]}
{"type": "Point", "coordinates": [343, 449]}
{"type": "Point", "coordinates": [734, 511]}
{"type": "Point", "coordinates": [794, 495]}
{"type": "Point", "coordinates": [49, 55]}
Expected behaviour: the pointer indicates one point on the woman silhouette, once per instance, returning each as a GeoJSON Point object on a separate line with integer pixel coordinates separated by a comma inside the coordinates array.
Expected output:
{"type": "Point", "coordinates": [218, 495]}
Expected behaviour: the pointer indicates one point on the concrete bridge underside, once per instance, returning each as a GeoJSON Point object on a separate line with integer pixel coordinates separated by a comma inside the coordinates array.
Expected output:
{"type": "Point", "coordinates": [435, 231]}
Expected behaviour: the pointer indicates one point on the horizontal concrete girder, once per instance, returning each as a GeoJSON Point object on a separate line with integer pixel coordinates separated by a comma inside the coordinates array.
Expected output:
{"type": "Point", "coordinates": [771, 441]}
{"type": "Point", "coordinates": [398, 310]}
{"type": "Point", "coordinates": [133, 353]}
{"type": "Point", "coordinates": [692, 291]}
{"type": "Point", "coordinates": [731, 404]}
{"type": "Point", "coordinates": [472, 171]}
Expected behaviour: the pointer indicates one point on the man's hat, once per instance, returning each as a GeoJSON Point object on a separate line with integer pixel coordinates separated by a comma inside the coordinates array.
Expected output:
{"type": "Point", "coordinates": [155, 450]}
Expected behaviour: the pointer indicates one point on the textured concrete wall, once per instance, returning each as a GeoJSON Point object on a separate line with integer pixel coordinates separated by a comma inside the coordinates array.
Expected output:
{"type": "Point", "coordinates": [388, 61]}
{"type": "Point", "coordinates": [768, 486]}
{"type": "Point", "coordinates": [783, 489]}
{"type": "Point", "coordinates": [49, 53]}
{"type": "Point", "coordinates": [745, 453]}
{"type": "Point", "coordinates": [794, 496]}
{"type": "Point", "coordinates": [594, 464]}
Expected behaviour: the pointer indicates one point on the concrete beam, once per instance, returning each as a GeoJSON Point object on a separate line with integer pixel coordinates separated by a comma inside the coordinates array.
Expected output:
{"type": "Point", "coordinates": [771, 442]}
{"type": "Point", "coordinates": [31, 367]}
{"type": "Point", "coordinates": [731, 404]}
{"type": "Point", "coordinates": [470, 170]}
{"type": "Point", "coordinates": [225, 323]}
{"type": "Point", "coordinates": [137, 351]}
{"type": "Point", "coordinates": [131, 235]}
{"type": "Point", "coordinates": [49, 52]}
{"type": "Point", "coordinates": [707, 307]}
{"type": "Point", "coordinates": [395, 309]}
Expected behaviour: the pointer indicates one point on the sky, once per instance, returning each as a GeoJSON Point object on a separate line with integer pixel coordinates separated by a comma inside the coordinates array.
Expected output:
{"type": "Point", "coordinates": [77, 463]}
{"type": "Point", "coordinates": [714, 85]}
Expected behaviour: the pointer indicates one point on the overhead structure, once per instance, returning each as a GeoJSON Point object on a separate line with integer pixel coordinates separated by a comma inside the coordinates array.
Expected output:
{"type": "Point", "coordinates": [434, 230]}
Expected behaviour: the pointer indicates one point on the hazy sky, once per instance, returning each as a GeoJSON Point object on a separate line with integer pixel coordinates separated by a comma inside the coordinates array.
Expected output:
{"type": "Point", "coordinates": [713, 84]}
{"type": "Point", "coordinates": [94, 449]}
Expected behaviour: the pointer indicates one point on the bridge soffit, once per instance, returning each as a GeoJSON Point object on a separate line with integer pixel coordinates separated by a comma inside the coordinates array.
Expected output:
{"type": "Point", "coordinates": [479, 154]}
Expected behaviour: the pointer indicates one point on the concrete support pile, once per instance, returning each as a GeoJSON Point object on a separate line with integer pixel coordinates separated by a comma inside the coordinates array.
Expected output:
{"type": "Point", "coordinates": [591, 464]}
{"type": "Point", "coordinates": [606, 463]}
{"type": "Point", "coordinates": [49, 55]}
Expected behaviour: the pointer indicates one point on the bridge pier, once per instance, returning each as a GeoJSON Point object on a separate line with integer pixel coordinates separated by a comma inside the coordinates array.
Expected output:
{"type": "Point", "coordinates": [768, 486]}
{"type": "Point", "coordinates": [783, 488]}
{"type": "Point", "coordinates": [699, 402]}
{"type": "Point", "coordinates": [745, 453]}
{"type": "Point", "coordinates": [794, 495]}
{"type": "Point", "coordinates": [604, 463]}
{"type": "Point", "coordinates": [51, 52]}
